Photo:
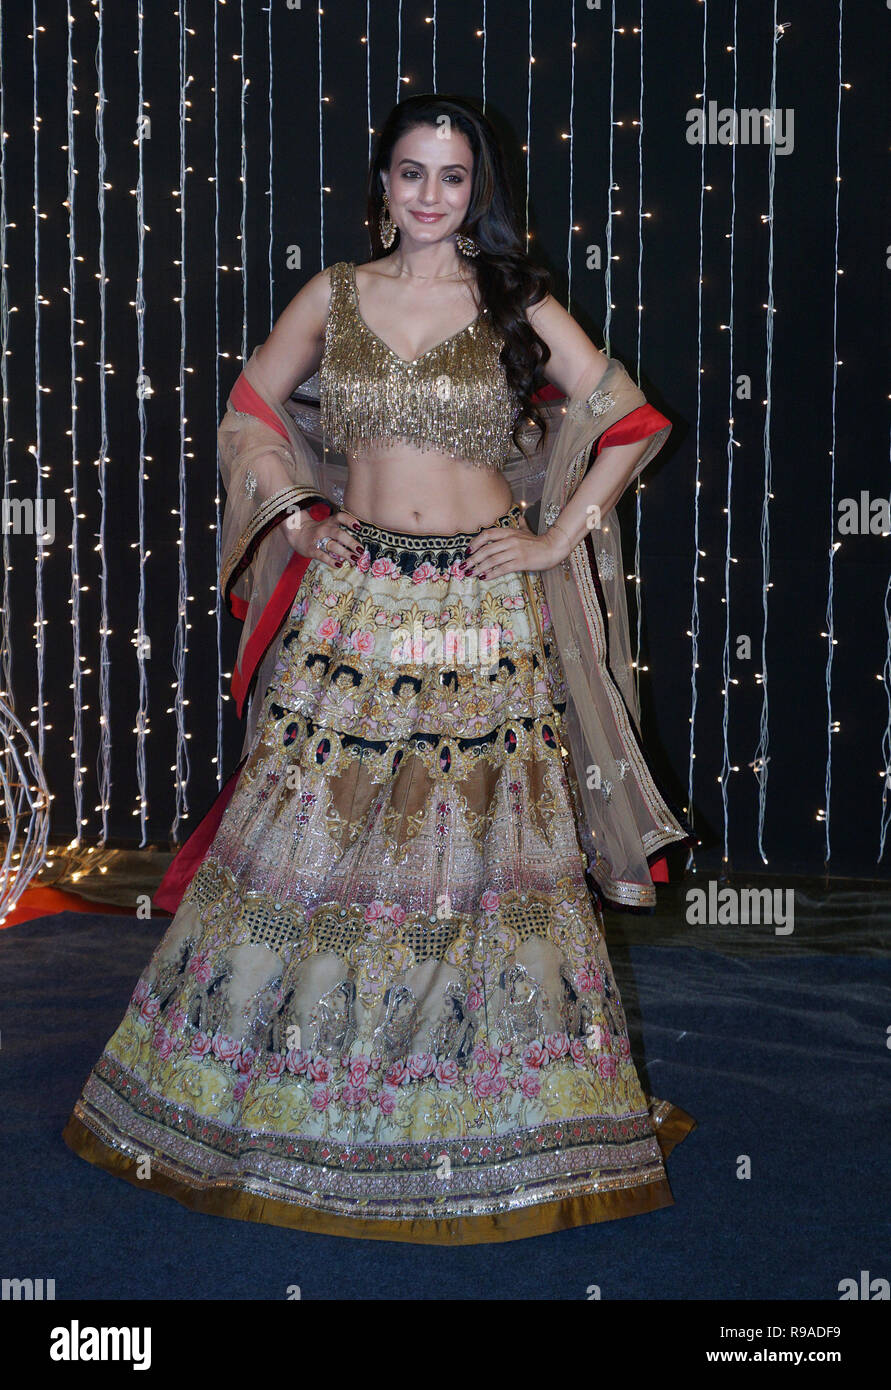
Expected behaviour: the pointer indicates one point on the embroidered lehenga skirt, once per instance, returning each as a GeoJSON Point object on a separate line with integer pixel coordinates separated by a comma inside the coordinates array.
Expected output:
{"type": "Point", "coordinates": [384, 1006]}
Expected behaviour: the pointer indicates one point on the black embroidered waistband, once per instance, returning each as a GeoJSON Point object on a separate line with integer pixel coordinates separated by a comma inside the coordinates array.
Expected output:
{"type": "Point", "coordinates": [415, 549]}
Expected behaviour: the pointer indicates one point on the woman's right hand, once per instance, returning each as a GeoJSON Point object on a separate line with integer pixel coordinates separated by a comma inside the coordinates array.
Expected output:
{"type": "Point", "coordinates": [304, 533]}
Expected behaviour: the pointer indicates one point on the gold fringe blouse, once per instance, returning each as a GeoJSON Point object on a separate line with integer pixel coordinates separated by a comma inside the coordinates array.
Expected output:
{"type": "Point", "coordinates": [454, 398]}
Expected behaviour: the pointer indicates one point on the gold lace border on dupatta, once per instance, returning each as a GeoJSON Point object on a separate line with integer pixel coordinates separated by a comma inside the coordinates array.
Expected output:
{"type": "Point", "coordinates": [263, 517]}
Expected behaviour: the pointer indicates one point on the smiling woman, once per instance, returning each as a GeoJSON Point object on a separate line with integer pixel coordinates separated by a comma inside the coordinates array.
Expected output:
{"type": "Point", "coordinates": [385, 1007]}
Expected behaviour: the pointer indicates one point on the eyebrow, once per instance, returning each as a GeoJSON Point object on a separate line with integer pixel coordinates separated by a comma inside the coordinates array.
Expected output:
{"type": "Point", "coordinates": [424, 166]}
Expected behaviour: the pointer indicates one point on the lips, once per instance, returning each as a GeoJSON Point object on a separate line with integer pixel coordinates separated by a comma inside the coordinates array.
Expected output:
{"type": "Point", "coordinates": [427, 216]}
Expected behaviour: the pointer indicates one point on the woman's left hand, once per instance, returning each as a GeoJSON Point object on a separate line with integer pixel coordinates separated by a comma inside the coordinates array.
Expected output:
{"type": "Point", "coordinates": [505, 550]}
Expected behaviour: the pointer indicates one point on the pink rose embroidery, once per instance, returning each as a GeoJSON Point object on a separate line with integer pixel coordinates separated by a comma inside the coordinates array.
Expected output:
{"type": "Point", "coordinates": [353, 1096]}
{"type": "Point", "coordinates": [329, 629]}
{"type": "Point", "coordinates": [397, 1074]}
{"type": "Point", "coordinates": [275, 1065]}
{"type": "Point", "coordinates": [200, 1045]}
{"type": "Point", "coordinates": [557, 1044]}
{"type": "Point", "coordinates": [140, 992]}
{"type": "Point", "coordinates": [149, 1010]}
{"type": "Point", "coordinates": [530, 1084]}
{"type": "Point", "coordinates": [387, 1101]}
{"type": "Point", "coordinates": [446, 1073]}
{"type": "Point", "coordinates": [199, 966]}
{"type": "Point", "coordinates": [383, 567]}
{"type": "Point", "coordinates": [397, 914]}
{"type": "Point", "coordinates": [362, 641]}
{"type": "Point", "coordinates": [176, 1017]}
{"type": "Point", "coordinates": [240, 1088]}
{"type": "Point", "coordinates": [486, 1085]}
{"type": "Point", "coordinates": [226, 1048]}
{"type": "Point", "coordinates": [321, 1098]}
{"type": "Point", "coordinates": [535, 1056]}
{"type": "Point", "coordinates": [421, 1065]}
{"type": "Point", "coordinates": [490, 900]}
{"type": "Point", "coordinates": [607, 1067]}
{"type": "Point", "coordinates": [244, 1061]}
{"type": "Point", "coordinates": [162, 1043]}
{"type": "Point", "coordinates": [488, 1057]}
{"type": "Point", "coordinates": [578, 1052]}
{"type": "Point", "coordinates": [359, 1069]}
{"type": "Point", "coordinates": [296, 1060]}
{"type": "Point", "coordinates": [319, 1070]}
{"type": "Point", "coordinates": [423, 573]}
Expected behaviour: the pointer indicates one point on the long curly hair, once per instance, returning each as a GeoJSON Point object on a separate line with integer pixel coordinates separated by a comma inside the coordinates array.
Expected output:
{"type": "Point", "coordinates": [507, 280]}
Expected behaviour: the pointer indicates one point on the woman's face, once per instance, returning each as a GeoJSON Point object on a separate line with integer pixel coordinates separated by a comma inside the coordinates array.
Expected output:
{"type": "Point", "coordinates": [429, 182]}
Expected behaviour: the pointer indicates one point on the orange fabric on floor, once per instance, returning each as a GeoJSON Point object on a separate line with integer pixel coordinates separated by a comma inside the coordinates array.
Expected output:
{"type": "Point", "coordinates": [43, 902]}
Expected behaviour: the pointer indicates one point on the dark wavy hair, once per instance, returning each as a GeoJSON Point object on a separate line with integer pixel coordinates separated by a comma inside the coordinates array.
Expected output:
{"type": "Point", "coordinates": [508, 281]}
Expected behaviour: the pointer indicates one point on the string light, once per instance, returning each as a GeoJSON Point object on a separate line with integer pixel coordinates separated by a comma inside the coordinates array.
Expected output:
{"type": "Point", "coordinates": [760, 764]}
{"type": "Point", "coordinates": [725, 659]}
{"type": "Point", "coordinates": [697, 550]}
{"type": "Point", "coordinates": [833, 546]}
{"type": "Point", "coordinates": [104, 770]}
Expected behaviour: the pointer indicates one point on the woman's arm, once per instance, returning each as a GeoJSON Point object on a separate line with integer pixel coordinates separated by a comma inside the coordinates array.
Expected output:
{"type": "Point", "coordinates": [289, 356]}
{"type": "Point", "coordinates": [574, 365]}
{"type": "Point", "coordinates": [293, 350]}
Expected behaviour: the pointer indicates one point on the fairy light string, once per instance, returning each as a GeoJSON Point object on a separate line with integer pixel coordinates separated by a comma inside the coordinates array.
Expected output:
{"type": "Point", "coordinates": [218, 404]}
{"type": "Point", "coordinates": [105, 370]}
{"type": "Point", "coordinates": [762, 754]}
{"type": "Point", "coordinates": [40, 550]}
{"type": "Point", "coordinates": [829, 634]}
{"type": "Point", "coordinates": [142, 640]}
{"type": "Point", "coordinates": [181, 636]}
{"type": "Point", "coordinates": [732, 443]}
{"type": "Point", "coordinates": [697, 579]}
{"type": "Point", "coordinates": [6, 650]}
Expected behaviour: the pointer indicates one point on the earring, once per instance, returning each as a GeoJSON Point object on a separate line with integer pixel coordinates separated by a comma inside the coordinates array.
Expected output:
{"type": "Point", "coordinates": [388, 228]}
{"type": "Point", "coordinates": [466, 245]}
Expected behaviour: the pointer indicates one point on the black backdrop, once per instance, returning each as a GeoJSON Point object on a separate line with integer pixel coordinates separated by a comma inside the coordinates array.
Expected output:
{"type": "Point", "coordinates": [223, 311]}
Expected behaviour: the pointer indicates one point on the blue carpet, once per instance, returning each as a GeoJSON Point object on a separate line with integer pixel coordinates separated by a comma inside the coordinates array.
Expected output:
{"type": "Point", "coordinates": [782, 1059]}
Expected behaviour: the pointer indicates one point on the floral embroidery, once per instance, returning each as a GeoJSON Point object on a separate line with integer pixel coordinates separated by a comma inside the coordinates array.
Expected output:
{"type": "Point", "coordinates": [250, 482]}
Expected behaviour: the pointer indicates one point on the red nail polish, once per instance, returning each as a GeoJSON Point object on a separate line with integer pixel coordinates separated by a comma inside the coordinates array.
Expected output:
{"type": "Point", "coordinates": [356, 526]}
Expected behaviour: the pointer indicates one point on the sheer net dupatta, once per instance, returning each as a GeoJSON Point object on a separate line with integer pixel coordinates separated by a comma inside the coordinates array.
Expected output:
{"type": "Point", "coordinates": [626, 816]}
{"type": "Point", "coordinates": [271, 472]}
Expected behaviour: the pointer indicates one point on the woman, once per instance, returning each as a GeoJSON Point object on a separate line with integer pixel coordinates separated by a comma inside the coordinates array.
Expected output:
{"type": "Point", "coordinates": [384, 1007]}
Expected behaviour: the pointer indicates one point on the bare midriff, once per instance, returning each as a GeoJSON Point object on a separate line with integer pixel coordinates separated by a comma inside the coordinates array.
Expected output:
{"type": "Point", "coordinates": [421, 492]}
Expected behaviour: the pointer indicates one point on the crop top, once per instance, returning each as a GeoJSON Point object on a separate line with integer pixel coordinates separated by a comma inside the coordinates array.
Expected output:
{"type": "Point", "coordinates": [454, 398]}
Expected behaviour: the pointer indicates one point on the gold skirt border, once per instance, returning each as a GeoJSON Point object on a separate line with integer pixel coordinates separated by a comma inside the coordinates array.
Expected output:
{"type": "Point", "coordinates": [538, 1220]}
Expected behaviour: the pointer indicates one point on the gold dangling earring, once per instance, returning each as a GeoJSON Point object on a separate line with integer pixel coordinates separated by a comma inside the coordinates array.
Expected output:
{"type": "Point", "coordinates": [388, 228]}
{"type": "Point", "coordinates": [466, 245]}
